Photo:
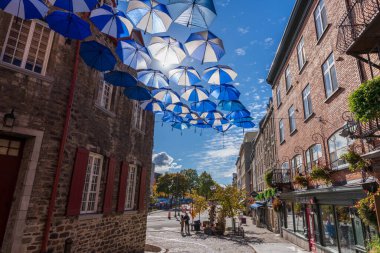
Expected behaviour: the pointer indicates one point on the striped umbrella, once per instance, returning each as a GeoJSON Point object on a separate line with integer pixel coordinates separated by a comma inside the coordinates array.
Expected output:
{"type": "Point", "coordinates": [223, 128]}
{"type": "Point", "coordinates": [217, 122]}
{"type": "Point", "coordinates": [203, 106]}
{"type": "Point", "coordinates": [152, 105]}
{"type": "Point", "coordinates": [171, 117]}
{"type": "Point", "coordinates": [75, 5]}
{"type": "Point", "coordinates": [111, 21]}
{"type": "Point", "coordinates": [25, 9]}
{"type": "Point", "coordinates": [178, 108]}
{"type": "Point", "coordinates": [205, 47]}
{"type": "Point", "coordinates": [195, 93]}
{"type": "Point", "coordinates": [184, 76]}
{"type": "Point", "coordinates": [153, 78]}
{"type": "Point", "coordinates": [232, 105]}
{"type": "Point", "coordinates": [219, 74]}
{"type": "Point", "coordinates": [133, 54]}
{"type": "Point", "coordinates": [166, 50]}
{"type": "Point", "coordinates": [212, 115]}
{"type": "Point", "coordinates": [199, 123]}
{"type": "Point", "coordinates": [166, 95]}
{"type": "Point", "coordinates": [181, 125]}
{"type": "Point", "coordinates": [189, 116]}
{"type": "Point", "coordinates": [149, 16]}
{"type": "Point", "coordinates": [224, 92]}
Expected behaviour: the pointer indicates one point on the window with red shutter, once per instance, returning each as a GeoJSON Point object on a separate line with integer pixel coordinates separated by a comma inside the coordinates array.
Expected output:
{"type": "Point", "coordinates": [142, 191]}
{"type": "Point", "coordinates": [122, 187]}
{"type": "Point", "coordinates": [107, 206]}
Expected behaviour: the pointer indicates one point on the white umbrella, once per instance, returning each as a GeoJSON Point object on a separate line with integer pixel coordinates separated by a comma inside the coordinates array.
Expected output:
{"type": "Point", "coordinates": [166, 50]}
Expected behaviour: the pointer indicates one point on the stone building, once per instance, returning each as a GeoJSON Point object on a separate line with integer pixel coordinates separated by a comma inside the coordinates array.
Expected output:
{"type": "Point", "coordinates": [75, 154]}
{"type": "Point", "coordinates": [311, 79]}
{"type": "Point", "coordinates": [243, 170]}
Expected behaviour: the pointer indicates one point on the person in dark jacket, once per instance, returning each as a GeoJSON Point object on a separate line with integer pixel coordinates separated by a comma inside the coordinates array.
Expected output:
{"type": "Point", "coordinates": [187, 223]}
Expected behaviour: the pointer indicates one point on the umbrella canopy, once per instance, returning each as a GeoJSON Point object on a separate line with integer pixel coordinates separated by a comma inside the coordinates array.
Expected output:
{"type": "Point", "coordinates": [184, 76]}
{"type": "Point", "coordinates": [219, 74]}
{"type": "Point", "coordinates": [244, 123]}
{"type": "Point", "coordinates": [194, 13]}
{"type": "Point", "coordinates": [223, 128]}
{"type": "Point", "coordinates": [167, 50]}
{"type": "Point", "coordinates": [205, 47]}
{"type": "Point", "coordinates": [181, 125]}
{"type": "Point", "coordinates": [217, 122]}
{"type": "Point", "coordinates": [166, 95]}
{"type": "Point", "coordinates": [152, 105]}
{"type": "Point", "coordinates": [203, 106]}
{"type": "Point", "coordinates": [69, 25]}
{"type": "Point", "coordinates": [25, 9]}
{"type": "Point", "coordinates": [137, 93]}
{"type": "Point", "coordinates": [133, 54]}
{"type": "Point", "coordinates": [149, 16]}
{"type": "Point", "coordinates": [232, 105]}
{"type": "Point", "coordinates": [195, 93]}
{"type": "Point", "coordinates": [212, 115]}
{"type": "Point", "coordinates": [171, 117]}
{"type": "Point", "coordinates": [224, 92]}
{"type": "Point", "coordinates": [75, 5]}
{"type": "Point", "coordinates": [178, 108]}
{"type": "Point", "coordinates": [97, 56]}
{"type": "Point", "coordinates": [238, 114]}
{"type": "Point", "coordinates": [111, 21]}
{"type": "Point", "coordinates": [199, 123]}
{"type": "Point", "coordinates": [120, 78]}
{"type": "Point", "coordinates": [153, 78]}
{"type": "Point", "coordinates": [189, 116]}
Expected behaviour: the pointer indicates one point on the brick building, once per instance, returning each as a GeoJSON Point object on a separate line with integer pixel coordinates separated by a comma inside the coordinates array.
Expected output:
{"type": "Point", "coordinates": [311, 80]}
{"type": "Point", "coordinates": [74, 177]}
{"type": "Point", "coordinates": [243, 170]}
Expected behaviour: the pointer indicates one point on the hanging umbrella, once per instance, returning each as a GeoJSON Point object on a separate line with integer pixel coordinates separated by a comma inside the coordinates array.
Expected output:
{"type": "Point", "coordinates": [184, 76]}
{"type": "Point", "coordinates": [181, 125]}
{"type": "Point", "coordinates": [244, 123]}
{"type": "Point", "coordinates": [194, 13]}
{"type": "Point", "coordinates": [189, 116]}
{"type": "Point", "coordinates": [153, 78]}
{"type": "Point", "coordinates": [203, 106]}
{"type": "Point", "coordinates": [238, 114]}
{"type": "Point", "coordinates": [199, 123]}
{"type": "Point", "coordinates": [120, 78]}
{"type": "Point", "coordinates": [137, 93]}
{"type": "Point", "coordinates": [69, 25]}
{"type": "Point", "coordinates": [133, 54]}
{"type": "Point", "coordinates": [217, 122]}
{"type": "Point", "coordinates": [205, 47]}
{"type": "Point", "coordinates": [75, 5]}
{"type": "Point", "coordinates": [223, 128]}
{"type": "Point", "coordinates": [167, 50]}
{"type": "Point", "coordinates": [224, 92]}
{"type": "Point", "coordinates": [233, 105]}
{"type": "Point", "coordinates": [25, 9]}
{"type": "Point", "coordinates": [149, 16]}
{"type": "Point", "coordinates": [97, 56]}
{"type": "Point", "coordinates": [152, 105]}
{"type": "Point", "coordinates": [166, 95]}
{"type": "Point", "coordinates": [111, 21]}
{"type": "Point", "coordinates": [212, 115]}
{"type": "Point", "coordinates": [171, 117]}
{"type": "Point", "coordinates": [219, 74]}
{"type": "Point", "coordinates": [195, 93]}
{"type": "Point", "coordinates": [178, 108]}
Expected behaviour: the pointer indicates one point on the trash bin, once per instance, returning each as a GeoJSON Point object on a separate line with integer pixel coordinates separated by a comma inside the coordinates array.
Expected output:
{"type": "Point", "coordinates": [197, 225]}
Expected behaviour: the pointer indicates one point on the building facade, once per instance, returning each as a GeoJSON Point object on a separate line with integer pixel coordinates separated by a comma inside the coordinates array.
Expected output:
{"type": "Point", "coordinates": [311, 80]}
{"type": "Point", "coordinates": [243, 169]}
{"type": "Point", "coordinates": [75, 154]}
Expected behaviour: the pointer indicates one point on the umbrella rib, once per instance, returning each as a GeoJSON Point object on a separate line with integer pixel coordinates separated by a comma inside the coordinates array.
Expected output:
{"type": "Point", "coordinates": [147, 23]}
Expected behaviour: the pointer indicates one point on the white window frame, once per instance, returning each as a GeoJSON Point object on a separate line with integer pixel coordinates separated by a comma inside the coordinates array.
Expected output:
{"type": "Point", "coordinates": [327, 69]}
{"type": "Point", "coordinates": [301, 56]}
{"type": "Point", "coordinates": [131, 188]}
{"type": "Point", "coordinates": [333, 150]}
{"type": "Point", "coordinates": [278, 96]}
{"type": "Point", "coordinates": [105, 95]}
{"type": "Point", "coordinates": [292, 119]}
{"type": "Point", "coordinates": [282, 132]}
{"type": "Point", "coordinates": [288, 78]}
{"type": "Point", "coordinates": [296, 164]}
{"type": "Point", "coordinates": [138, 117]}
{"type": "Point", "coordinates": [28, 45]}
{"type": "Point", "coordinates": [89, 178]}
{"type": "Point", "coordinates": [307, 103]}
{"type": "Point", "coordinates": [310, 159]}
{"type": "Point", "coordinates": [320, 18]}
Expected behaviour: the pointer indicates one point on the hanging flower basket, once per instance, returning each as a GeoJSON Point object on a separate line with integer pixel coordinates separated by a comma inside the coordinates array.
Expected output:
{"type": "Point", "coordinates": [277, 204]}
{"type": "Point", "coordinates": [366, 209]}
{"type": "Point", "coordinates": [301, 181]}
{"type": "Point", "coordinates": [320, 175]}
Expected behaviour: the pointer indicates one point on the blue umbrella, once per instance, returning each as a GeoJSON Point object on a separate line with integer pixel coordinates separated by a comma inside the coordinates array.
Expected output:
{"type": "Point", "coordinates": [178, 108]}
{"type": "Point", "coordinates": [97, 56]}
{"type": "Point", "coordinates": [199, 123]}
{"type": "Point", "coordinates": [219, 74]}
{"type": "Point", "coordinates": [25, 9]}
{"type": "Point", "coordinates": [189, 116]}
{"type": "Point", "coordinates": [149, 16]}
{"type": "Point", "coordinates": [181, 125]}
{"type": "Point", "coordinates": [75, 5]}
{"type": "Point", "coordinates": [217, 122]}
{"type": "Point", "coordinates": [111, 21]}
{"type": "Point", "coordinates": [171, 117]}
{"type": "Point", "coordinates": [133, 54]}
{"type": "Point", "coordinates": [120, 78]}
{"type": "Point", "coordinates": [69, 25]}
{"type": "Point", "coordinates": [195, 93]}
{"type": "Point", "coordinates": [203, 106]}
{"type": "Point", "coordinates": [153, 78]}
{"type": "Point", "coordinates": [212, 115]}
{"type": "Point", "coordinates": [166, 95]}
{"type": "Point", "coordinates": [232, 105]}
{"type": "Point", "coordinates": [223, 128]}
{"type": "Point", "coordinates": [205, 47]}
{"type": "Point", "coordinates": [184, 76]}
{"type": "Point", "coordinates": [238, 114]}
{"type": "Point", "coordinates": [244, 123]}
{"type": "Point", "coordinates": [137, 93]}
{"type": "Point", "coordinates": [224, 92]}
{"type": "Point", "coordinates": [152, 105]}
{"type": "Point", "coordinates": [193, 13]}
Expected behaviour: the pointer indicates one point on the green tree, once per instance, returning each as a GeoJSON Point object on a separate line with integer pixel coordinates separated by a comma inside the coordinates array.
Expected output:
{"type": "Point", "coordinates": [231, 200]}
{"type": "Point", "coordinates": [164, 184]}
{"type": "Point", "coordinates": [200, 204]}
{"type": "Point", "coordinates": [192, 180]}
{"type": "Point", "coordinates": [205, 184]}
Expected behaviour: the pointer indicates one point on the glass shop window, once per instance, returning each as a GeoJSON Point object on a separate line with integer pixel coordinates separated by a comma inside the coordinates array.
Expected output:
{"type": "Point", "coordinates": [346, 230]}
{"type": "Point", "coordinates": [289, 216]}
{"type": "Point", "coordinates": [299, 219]}
{"type": "Point", "coordinates": [329, 227]}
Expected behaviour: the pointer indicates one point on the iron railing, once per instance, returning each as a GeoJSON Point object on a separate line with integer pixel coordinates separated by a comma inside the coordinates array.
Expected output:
{"type": "Point", "coordinates": [281, 176]}
{"type": "Point", "coordinates": [359, 15]}
{"type": "Point", "coordinates": [368, 131]}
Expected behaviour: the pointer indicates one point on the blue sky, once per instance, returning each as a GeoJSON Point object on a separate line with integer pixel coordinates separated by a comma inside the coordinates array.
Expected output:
{"type": "Point", "coordinates": [251, 31]}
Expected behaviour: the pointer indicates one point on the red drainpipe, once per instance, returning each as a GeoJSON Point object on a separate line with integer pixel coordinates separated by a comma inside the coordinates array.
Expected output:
{"type": "Point", "coordinates": [61, 151]}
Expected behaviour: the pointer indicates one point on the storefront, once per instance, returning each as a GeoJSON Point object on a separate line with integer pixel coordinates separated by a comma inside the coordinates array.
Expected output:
{"type": "Point", "coordinates": [325, 220]}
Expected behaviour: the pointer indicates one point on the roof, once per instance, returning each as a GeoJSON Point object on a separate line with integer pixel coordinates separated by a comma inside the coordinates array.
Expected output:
{"type": "Point", "coordinates": [297, 18]}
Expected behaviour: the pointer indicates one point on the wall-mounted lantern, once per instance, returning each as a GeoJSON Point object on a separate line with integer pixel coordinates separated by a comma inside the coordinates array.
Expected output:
{"type": "Point", "coordinates": [9, 119]}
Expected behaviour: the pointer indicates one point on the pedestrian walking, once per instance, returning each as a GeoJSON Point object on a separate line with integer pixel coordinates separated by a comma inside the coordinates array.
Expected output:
{"type": "Point", "coordinates": [187, 223]}
{"type": "Point", "coordinates": [182, 222]}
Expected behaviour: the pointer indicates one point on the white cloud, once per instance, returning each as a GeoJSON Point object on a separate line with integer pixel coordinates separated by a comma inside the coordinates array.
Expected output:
{"type": "Point", "coordinates": [240, 51]}
{"type": "Point", "coordinates": [243, 30]}
{"type": "Point", "coordinates": [223, 3]}
{"type": "Point", "coordinates": [164, 162]}
{"type": "Point", "coordinates": [268, 42]}
{"type": "Point", "coordinates": [261, 80]}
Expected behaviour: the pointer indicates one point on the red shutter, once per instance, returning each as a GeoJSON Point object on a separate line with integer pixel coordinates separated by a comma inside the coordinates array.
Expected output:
{"type": "Point", "coordinates": [122, 187]}
{"type": "Point", "coordinates": [77, 182]}
{"type": "Point", "coordinates": [107, 206]}
{"type": "Point", "coordinates": [142, 191]}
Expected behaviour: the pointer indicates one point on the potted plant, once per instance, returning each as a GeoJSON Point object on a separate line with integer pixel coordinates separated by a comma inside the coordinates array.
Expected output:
{"type": "Point", "coordinates": [301, 181]}
{"type": "Point", "coordinates": [374, 245]}
{"type": "Point", "coordinates": [366, 209]}
{"type": "Point", "coordinates": [320, 174]}
{"type": "Point", "coordinates": [355, 161]}
{"type": "Point", "coordinates": [268, 178]}
{"type": "Point", "coordinates": [276, 204]}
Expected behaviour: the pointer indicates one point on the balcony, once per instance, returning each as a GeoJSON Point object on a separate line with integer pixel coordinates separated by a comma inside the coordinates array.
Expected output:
{"type": "Point", "coordinates": [368, 131]}
{"type": "Point", "coordinates": [281, 177]}
{"type": "Point", "coordinates": [359, 30]}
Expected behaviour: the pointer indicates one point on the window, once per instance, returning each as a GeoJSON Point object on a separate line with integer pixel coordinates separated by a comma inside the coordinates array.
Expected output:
{"type": "Point", "coordinates": [313, 154]}
{"type": "Point", "coordinates": [289, 216]}
{"type": "Point", "coordinates": [282, 134]}
{"type": "Point", "coordinates": [301, 54]}
{"type": "Point", "coordinates": [329, 76]}
{"type": "Point", "coordinates": [307, 106]}
{"type": "Point", "coordinates": [328, 226]}
{"type": "Point", "coordinates": [27, 45]}
{"type": "Point", "coordinates": [320, 18]}
{"type": "Point", "coordinates": [105, 95]}
{"type": "Point", "coordinates": [278, 96]}
{"type": "Point", "coordinates": [288, 78]}
{"type": "Point", "coordinates": [292, 119]}
{"type": "Point", "coordinates": [10, 147]}
{"type": "Point", "coordinates": [299, 219]}
{"type": "Point", "coordinates": [337, 147]}
{"type": "Point", "coordinates": [132, 188]}
{"type": "Point", "coordinates": [297, 165]}
{"type": "Point", "coordinates": [138, 116]}
{"type": "Point", "coordinates": [345, 229]}
{"type": "Point", "coordinates": [92, 183]}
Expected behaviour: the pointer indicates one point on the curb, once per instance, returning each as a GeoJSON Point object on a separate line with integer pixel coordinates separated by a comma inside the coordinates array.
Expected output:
{"type": "Point", "coordinates": [252, 247]}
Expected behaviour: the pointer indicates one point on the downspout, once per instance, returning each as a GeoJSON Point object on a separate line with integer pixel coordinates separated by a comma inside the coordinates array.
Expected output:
{"type": "Point", "coordinates": [61, 153]}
